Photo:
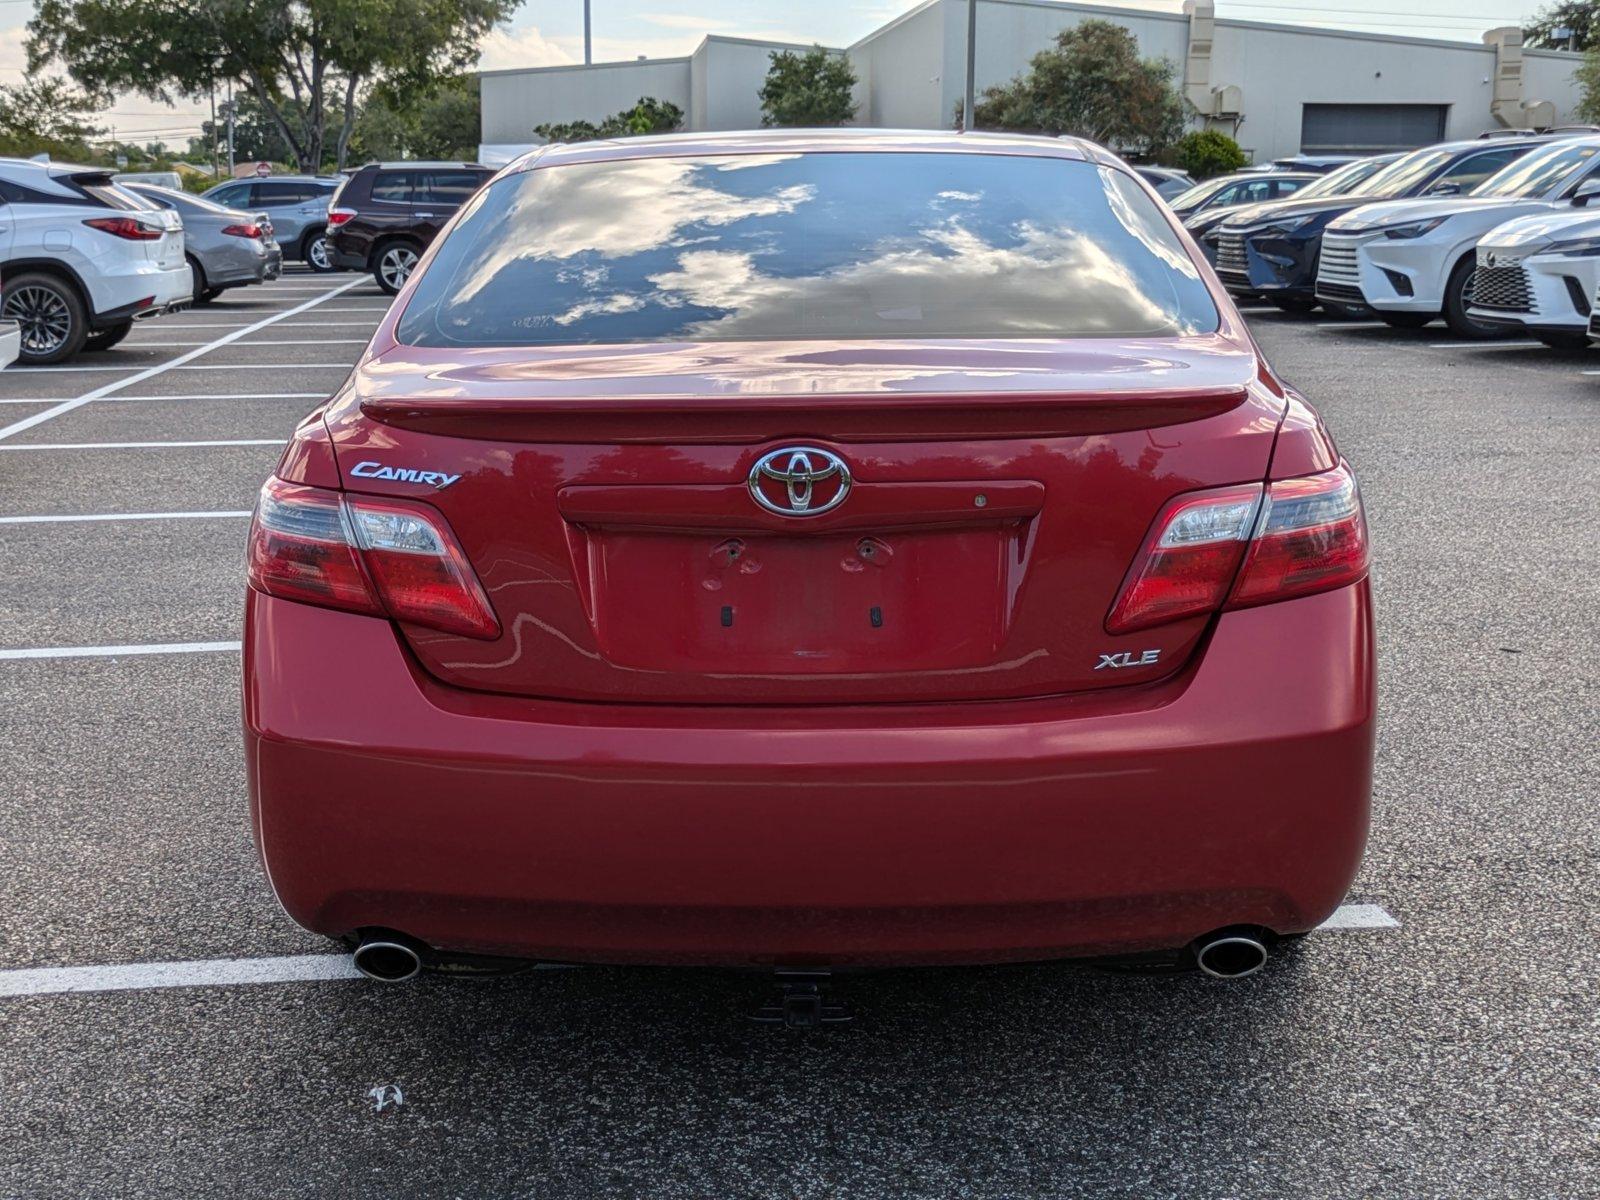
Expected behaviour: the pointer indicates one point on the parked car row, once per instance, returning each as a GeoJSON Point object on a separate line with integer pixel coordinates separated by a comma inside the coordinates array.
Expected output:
{"type": "Point", "coordinates": [83, 256]}
{"type": "Point", "coordinates": [380, 217]}
{"type": "Point", "coordinates": [1490, 234]}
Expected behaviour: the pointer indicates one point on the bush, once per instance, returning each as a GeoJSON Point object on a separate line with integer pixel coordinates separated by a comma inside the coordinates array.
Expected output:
{"type": "Point", "coordinates": [808, 90]}
{"type": "Point", "coordinates": [1206, 152]}
{"type": "Point", "coordinates": [649, 115]}
{"type": "Point", "coordinates": [1091, 83]}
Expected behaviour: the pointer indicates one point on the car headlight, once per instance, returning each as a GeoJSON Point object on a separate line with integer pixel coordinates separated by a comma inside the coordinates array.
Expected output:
{"type": "Point", "coordinates": [1413, 229]}
{"type": "Point", "coordinates": [1584, 247]}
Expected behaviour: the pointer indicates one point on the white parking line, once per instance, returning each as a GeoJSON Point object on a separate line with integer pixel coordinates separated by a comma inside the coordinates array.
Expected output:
{"type": "Point", "coordinates": [1352, 325]}
{"type": "Point", "coordinates": [1360, 916]}
{"type": "Point", "coordinates": [344, 366]}
{"type": "Point", "coordinates": [67, 406]}
{"type": "Point", "coordinates": [121, 651]}
{"type": "Point", "coordinates": [147, 516]}
{"type": "Point", "coordinates": [138, 445]}
{"type": "Point", "coordinates": [285, 325]}
{"type": "Point", "coordinates": [301, 968]}
{"type": "Point", "coordinates": [120, 399]}
{"type": "Point", "coordinates": [261, 342]}
{"type": "Point", "coordinates": [1520, 344]}
{"type": "Point", "coordinates": [306, 968]}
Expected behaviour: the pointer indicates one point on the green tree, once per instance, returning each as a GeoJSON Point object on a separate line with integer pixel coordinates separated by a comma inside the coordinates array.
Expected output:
{"type": "Point", "coordinates": [306, 62]}
{"type": "Point", "coordinates": [256, 137]}
{"type": "Point", "coordinates": [442, 122]}
{"type": "Point", "coordinates": [1205, 152]}
{"type": "Point", "coordinates": [1587, 77]}
{"type": "Point", "coordinates": [808, 90]}
{"type": "Point", "coordinates": [1581, 18]}
{"type": "Point", "coordinates": [1093, 84]}
{"type": "Point", "coordinates": [649, 115]}
{"type": "Point", "coordinates": [46, 115]}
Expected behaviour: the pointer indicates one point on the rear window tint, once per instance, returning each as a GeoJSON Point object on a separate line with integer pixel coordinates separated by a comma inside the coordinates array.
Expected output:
{"type": "Point", "coordinates": [449, 188]}
{"type": "Point", "coordinates": [284, 192]}
{"type": "Point", "coordinates": [818, 245]}
{"type": "Point", "coordinates": [392, 186]}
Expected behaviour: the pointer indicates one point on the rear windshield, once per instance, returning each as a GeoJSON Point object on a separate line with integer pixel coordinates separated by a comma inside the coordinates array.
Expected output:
{"type": "Point", "coordinates": [815, 245]}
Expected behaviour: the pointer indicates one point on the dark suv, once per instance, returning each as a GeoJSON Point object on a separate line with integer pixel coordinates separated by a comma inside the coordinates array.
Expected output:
{"type": "Point", "coordinates": [384, 215]}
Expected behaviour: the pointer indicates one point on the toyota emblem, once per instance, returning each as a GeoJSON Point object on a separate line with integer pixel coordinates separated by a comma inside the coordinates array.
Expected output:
{"type": "Point", "coordinates": [799, 481]}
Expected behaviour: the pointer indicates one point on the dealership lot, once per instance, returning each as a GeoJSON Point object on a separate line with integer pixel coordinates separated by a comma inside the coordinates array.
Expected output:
{"type": "Point", "coordinates": [1452, 1054]}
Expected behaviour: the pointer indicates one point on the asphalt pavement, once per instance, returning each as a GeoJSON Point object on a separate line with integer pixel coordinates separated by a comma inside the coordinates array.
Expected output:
{"type": "Point", "coordinates": [1453, 1054]}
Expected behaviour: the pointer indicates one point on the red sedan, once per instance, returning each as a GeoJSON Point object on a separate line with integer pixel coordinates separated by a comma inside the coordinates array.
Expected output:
{"type": "Point", "coordinates": [810, 550]}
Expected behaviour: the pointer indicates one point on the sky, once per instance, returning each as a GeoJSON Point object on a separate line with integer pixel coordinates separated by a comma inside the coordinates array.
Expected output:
{"type": "Point", "coordinates": [548, 32]}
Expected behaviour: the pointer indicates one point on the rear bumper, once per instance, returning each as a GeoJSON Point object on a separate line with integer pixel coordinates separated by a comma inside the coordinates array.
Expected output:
{"type": "Point", "coordinates": [1131, 819]}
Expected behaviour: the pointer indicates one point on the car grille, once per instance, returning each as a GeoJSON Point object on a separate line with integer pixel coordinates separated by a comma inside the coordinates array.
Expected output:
{"type": "Point", "coordinates": [1338, 277]}
{"type": "Point", "coordinates": [1232, 264]}
{"type": "Point", "coordinates": [1337, 263]}
{"type": "Point", "coordinates": [1506, 289]}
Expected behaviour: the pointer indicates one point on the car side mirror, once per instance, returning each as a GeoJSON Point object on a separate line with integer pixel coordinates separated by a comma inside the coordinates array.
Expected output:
{"type": "Point", "coordinates": [1445, 189]}
{"type": "Point", "coordinates": [1587, 191]}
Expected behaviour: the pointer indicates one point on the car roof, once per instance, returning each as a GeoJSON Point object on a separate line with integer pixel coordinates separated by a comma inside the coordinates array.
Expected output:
{"type": "Point", "coordinates": [408, 164]}
{"type": "Point", "coordinates": [789, 141]}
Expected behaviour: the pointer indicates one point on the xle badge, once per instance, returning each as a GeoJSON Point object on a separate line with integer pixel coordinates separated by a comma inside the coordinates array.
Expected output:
{"type": "Point", "coordinates": [1116, 662]}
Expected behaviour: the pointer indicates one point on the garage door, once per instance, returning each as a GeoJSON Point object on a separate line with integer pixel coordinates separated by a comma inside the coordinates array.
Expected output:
{"type": "Point", "coordinates": [1368, 128]}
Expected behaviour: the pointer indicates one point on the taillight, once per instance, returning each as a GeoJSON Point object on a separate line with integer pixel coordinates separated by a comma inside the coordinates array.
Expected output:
{"type": "Point", "coordinates": [338, 216]}
{"type": "Point", "coordinates": [244, 231]}
{"type": "Point", "coordinates": [1312, 536]}
{"type": "Point", "coordinates": [1189, 558]}
{"type": "Point", "coordinates": [1295, 537]}
{"type": "Point", "coordinates": [125, 227]}
{"type": "Point", "coordinates": [385, 558]}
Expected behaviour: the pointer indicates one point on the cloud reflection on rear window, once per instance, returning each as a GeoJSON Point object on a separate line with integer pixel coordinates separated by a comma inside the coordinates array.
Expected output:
{"type": "Point", "coordinates": [813, 245]}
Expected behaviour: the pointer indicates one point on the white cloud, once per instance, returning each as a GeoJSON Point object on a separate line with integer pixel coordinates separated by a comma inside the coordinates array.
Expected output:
{"type": "Point", "coordinates": [526, 46]}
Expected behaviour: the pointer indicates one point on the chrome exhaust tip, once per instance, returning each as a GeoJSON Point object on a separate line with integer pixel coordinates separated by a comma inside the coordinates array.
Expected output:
{"type": "Point", "coordinates": [388, 958]}
{"type": "Point", "coordinates": [1230, 955]}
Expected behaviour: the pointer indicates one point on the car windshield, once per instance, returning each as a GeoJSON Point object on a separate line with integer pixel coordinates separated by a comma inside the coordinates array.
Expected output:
{"type": "Point", "coordinates": [809, 245]}
{"type": "Point", "coordinates": [1541, 172]}
{"type": "Point", "coordinates": [1345, 180]}
{"type": "Point", "coordinates": [1407, 173]}
{"type": "Point", "coordinates": [1201, 192]}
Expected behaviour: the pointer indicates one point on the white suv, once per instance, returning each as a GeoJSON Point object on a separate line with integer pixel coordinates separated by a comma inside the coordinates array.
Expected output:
{"type": "Point", "coordinates": [82, 259]}
{"type": "Point", "coordinates": [1412, 260]}
{"type": "Point", "coordinates": [1538, 275]}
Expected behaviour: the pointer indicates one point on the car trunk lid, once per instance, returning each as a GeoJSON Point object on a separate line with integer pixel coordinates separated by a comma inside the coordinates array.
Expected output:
{"type": "Point", "coordinates": [998, 492]}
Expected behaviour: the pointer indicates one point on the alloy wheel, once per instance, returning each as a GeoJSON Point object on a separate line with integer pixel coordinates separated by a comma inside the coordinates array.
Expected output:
{"type": "Point", "coordinates": [396, 265]}
{"type": "Point", "coordinates": [43, 314]}
{"type": "Point", "coordinates": [317, 254]}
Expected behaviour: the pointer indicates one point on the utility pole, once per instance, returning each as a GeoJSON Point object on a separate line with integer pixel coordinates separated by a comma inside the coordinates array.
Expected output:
{"type": "Point", "coordinates": [968, 118]}
{"type": "Point", "coordinates": [588, 45]}
{"type": "Point", "coordinates": [216, 166]}
{"type": "Point", "coordinates": [228, 111]}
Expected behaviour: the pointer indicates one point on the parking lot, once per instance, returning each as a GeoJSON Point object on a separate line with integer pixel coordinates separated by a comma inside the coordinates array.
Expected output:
{"type": "Point", "coordinates": [1441, 1042]}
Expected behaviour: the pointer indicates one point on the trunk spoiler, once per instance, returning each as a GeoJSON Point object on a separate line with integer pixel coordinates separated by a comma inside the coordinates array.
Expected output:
{"type": "Point", "coordinates": [847, 418]}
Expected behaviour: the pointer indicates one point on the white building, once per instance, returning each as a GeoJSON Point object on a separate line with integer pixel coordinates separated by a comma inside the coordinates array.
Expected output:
{"type": "Point", "coordinates": [1279, 89]}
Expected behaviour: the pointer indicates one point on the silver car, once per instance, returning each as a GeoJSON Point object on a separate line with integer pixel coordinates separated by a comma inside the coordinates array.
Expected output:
{"type": "Point", "coordinates": [226, 247]}
{"type": "Point", "coordinates": [298, 206]}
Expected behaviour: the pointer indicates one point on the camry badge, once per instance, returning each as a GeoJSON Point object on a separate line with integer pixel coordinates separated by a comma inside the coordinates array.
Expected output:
{"type": "Point", "coordinates": [799, 481]}
{"type": "Point", "coordinates": [376, 470]}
